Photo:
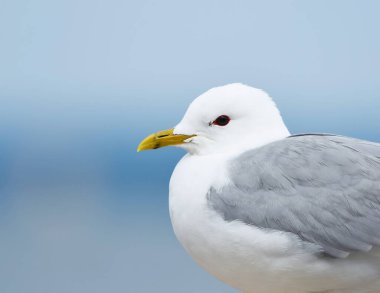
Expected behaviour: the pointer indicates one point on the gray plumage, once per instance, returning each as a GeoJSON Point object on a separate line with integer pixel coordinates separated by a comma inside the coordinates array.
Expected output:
{"type": "Point", "coordinates": [323, 188]}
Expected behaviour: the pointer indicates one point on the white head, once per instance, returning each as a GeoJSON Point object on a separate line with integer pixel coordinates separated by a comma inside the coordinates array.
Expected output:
{"type": "Point", "coordinates": [254, 120]}
{"type": "Point", "coordinates": [226, 119]}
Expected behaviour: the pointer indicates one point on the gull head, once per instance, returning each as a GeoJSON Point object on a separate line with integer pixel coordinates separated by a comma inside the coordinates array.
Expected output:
{"type": "Point", "coordinates": [226, 119]}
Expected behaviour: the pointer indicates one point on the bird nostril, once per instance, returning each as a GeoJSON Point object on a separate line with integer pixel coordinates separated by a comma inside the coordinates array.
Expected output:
{"type": "Point", "coordinates": [162, 135]}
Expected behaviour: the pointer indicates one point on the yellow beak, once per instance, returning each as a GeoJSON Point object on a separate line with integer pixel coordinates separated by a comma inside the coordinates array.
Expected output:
{"type": "Point", "coordinates": [162, 139]}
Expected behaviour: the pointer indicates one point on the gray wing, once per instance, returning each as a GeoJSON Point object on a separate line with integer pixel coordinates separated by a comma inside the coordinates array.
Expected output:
{"type": "Point", "coordinates": [323, 188]}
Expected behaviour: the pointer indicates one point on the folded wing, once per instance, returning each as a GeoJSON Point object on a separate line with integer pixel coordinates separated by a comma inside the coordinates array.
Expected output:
{"type": "Point", "coordinates": [323, 188]}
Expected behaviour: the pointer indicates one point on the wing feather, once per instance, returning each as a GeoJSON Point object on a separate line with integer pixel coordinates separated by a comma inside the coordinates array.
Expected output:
{"type": "Point", "coordinates": [323, 188]}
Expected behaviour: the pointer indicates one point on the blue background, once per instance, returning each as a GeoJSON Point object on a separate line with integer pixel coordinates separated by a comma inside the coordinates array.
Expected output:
{"type": "Point", "coordinates": [82, 82]}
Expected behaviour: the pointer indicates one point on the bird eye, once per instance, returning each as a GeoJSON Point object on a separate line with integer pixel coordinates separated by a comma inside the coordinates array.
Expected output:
{"type": "Point", "coordinates": [222, 120]}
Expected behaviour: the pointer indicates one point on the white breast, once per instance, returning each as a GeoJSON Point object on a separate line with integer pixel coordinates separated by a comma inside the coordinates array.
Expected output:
{"type": "Point", "coordinates": [245, 257]}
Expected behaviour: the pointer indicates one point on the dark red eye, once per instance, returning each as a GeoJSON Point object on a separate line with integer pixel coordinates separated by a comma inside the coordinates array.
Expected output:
{"type": "Point", "coordinates": [222, 120]}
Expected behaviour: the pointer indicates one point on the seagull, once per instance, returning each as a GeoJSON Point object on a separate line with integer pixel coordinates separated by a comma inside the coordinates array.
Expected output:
{"type": "Point", "coordinates": [265, 211]}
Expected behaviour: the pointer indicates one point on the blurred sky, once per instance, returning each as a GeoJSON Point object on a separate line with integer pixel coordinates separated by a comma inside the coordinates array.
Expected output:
{"type": "Point", "coordinates": [82, 82]}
